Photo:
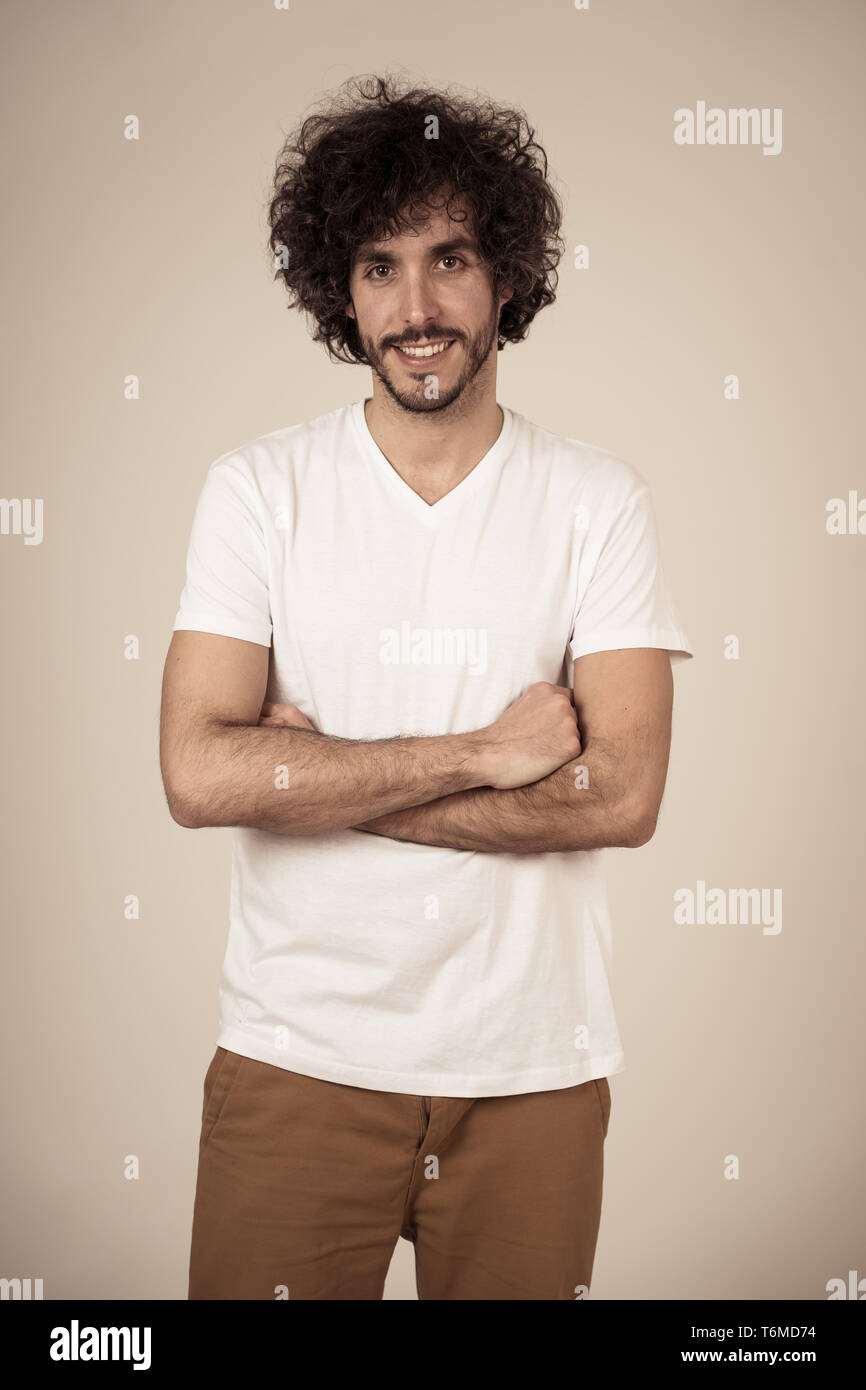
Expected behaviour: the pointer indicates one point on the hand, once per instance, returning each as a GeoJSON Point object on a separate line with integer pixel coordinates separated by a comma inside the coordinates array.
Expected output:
{"type": "Point", "coordinates": [534, 736]}
{"type": "Point", "coordinates": [274, 716]}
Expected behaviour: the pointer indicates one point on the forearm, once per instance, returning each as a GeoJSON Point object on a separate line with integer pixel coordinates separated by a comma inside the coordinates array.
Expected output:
{"type": "Point", "coordinates": [579, 806]}
{"type": "Point", "coordinates": [296, 782]}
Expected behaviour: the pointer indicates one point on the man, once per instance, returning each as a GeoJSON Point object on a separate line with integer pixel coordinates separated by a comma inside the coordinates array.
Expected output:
{"type": "Point", "coordinates": [422, 664]}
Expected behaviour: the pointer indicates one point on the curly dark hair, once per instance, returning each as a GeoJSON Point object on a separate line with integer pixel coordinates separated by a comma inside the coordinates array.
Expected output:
{"type": "Point", "coordinates": [352, 170]}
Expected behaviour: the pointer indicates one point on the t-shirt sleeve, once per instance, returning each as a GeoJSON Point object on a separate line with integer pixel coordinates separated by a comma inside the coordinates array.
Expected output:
{"type": "Point", "coordinates": [226, 590]}
{"type": "Point", "coordinates": [624, 600]}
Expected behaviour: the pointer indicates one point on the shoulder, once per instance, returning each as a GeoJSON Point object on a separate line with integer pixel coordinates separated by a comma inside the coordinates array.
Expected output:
{"type": "Point", "coordinates": [597, 470]}
{"type": "Point", "coordinates": [278, 454]}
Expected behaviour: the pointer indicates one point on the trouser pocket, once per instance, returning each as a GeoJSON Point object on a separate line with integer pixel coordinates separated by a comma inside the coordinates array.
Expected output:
{"type": "Point", "coordinates": [603, 1092]}
{"type": "Point", "coordinates": [221, 1076]}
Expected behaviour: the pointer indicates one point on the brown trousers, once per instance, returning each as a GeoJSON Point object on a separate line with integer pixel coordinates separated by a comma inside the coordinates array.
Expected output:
{"type": "Point", "coordinates": [304, 1187]}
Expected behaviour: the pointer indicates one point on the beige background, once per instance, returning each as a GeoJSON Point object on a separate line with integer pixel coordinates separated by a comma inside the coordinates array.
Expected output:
{"type": "Point", "coordinates": [149, 257]}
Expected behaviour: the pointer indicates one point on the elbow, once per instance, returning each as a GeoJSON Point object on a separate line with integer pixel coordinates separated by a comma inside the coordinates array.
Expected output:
{"type": "Point", "coordinates": [640, 826]}
{"type": "Point", "coordinates": [628, 825]}
{"type": "Point", "coordinates": [184, 815]}
{"type": "Point", "coordinates": [183, 808]}
{"type": "Point", "coordinates": [621, 826]}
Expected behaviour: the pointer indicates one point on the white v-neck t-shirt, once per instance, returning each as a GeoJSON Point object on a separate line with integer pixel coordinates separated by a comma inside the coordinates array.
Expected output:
{"type": "Point", "coordinates": [383, 963]}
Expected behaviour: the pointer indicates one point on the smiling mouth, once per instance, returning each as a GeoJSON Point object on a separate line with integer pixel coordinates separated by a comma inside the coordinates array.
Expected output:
{"type": "Point", "coordinates": [423, 353]}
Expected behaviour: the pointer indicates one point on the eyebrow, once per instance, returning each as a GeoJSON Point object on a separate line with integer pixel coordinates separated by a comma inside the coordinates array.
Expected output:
{"type": "Point", "coordinates": [374, 255]}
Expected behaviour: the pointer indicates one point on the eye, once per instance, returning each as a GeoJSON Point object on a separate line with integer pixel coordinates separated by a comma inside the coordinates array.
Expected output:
{"type": "Point", "coordinates": [381, 266]}
{"type": "Point", "coordinates": [459, 260]}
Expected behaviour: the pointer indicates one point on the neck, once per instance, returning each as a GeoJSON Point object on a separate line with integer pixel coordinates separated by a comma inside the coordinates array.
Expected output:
{"type": "Point", "coordinates": [434, 451]}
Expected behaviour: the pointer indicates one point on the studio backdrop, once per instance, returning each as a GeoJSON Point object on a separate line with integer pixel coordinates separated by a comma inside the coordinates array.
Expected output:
{"type": "Point", "coordinates": [708, 328]}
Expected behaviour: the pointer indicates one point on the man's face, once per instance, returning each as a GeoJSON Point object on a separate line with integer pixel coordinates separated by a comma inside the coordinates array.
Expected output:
{"type": "Point", "coordinates": [427, 287]}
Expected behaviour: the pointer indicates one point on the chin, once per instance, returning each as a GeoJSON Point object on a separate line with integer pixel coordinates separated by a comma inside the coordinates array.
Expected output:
{"type": "Point", "coordinates": [419, 404]}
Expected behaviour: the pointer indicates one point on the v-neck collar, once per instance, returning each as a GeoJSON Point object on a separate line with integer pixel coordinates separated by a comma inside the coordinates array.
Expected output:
{"type": "Point", "coordinates": [485, 466]}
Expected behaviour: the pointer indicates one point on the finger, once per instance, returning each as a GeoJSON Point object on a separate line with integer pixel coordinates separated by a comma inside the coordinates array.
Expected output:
{"type": "Point", "coordinates": [287, 713]}
{"type": "Point", "coordinates": [293, 720]}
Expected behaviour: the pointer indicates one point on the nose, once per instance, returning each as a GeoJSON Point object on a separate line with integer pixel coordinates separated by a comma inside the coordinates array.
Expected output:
{"type": "Point", "coordinates": [418, 303]}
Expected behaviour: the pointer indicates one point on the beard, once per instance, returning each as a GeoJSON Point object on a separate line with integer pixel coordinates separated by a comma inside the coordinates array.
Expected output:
{"type": "Point", "coordinates": [413, 396]}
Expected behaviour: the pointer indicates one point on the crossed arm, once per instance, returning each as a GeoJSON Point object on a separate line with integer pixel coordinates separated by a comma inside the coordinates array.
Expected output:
{"type": "Point", "coordinates": [545, 815]}
{"type": "Point", "coordinates": [609, 795]}
{"type": "Point", "coordinates": [565, 810]}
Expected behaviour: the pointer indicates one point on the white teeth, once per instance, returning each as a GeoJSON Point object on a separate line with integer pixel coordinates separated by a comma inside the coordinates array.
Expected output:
{"type": "Point", "coordinates": [425, 351]}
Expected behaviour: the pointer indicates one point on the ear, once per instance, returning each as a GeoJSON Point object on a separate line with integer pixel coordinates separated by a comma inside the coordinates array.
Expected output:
{"type": "Point", "coordinates": [507, 293]}
{"type": "Point", "coordinates": [350, 309]}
